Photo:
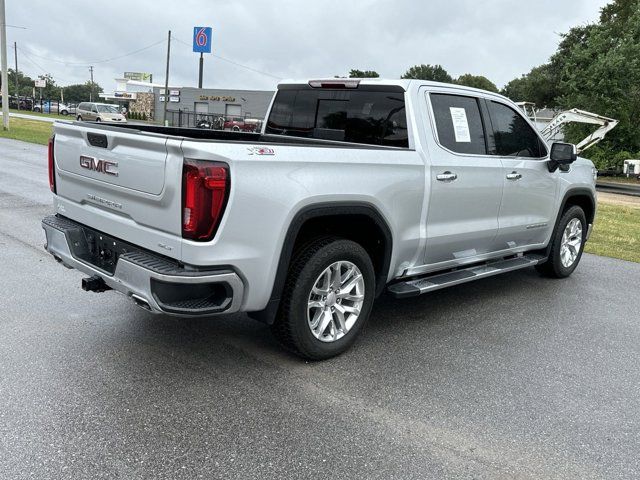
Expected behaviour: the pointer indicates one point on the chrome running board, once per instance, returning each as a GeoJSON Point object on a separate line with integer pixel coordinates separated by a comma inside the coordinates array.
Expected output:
{"type": "Point", "coordinates": [430, 283]}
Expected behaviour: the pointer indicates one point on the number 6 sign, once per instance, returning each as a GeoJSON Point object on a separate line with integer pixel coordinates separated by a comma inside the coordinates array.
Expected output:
{"type": "Point", "coordinates": [202, 39]}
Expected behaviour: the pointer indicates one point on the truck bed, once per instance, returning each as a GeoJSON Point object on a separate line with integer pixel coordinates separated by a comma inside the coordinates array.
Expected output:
{"type": "Point", "coordinates": [233, 137]}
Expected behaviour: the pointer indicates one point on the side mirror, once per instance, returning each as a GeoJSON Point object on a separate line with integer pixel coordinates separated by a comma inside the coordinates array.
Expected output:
{"type": "Point", "coordinates": [562, 154]}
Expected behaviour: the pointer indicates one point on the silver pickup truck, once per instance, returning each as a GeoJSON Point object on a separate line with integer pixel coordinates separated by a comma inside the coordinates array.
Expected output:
{"type": "Point", "coordinates": [351, 189]}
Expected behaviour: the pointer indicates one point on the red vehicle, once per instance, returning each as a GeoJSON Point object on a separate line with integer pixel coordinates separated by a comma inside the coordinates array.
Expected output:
{"type": "Point", "coordinates": [234, 123]}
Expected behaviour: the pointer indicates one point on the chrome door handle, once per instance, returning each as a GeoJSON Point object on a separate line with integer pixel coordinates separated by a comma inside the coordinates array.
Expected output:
{"type": "Point", "coordinates": [514, 176]}
{"type": "Point", "coordinates": [446, 177]}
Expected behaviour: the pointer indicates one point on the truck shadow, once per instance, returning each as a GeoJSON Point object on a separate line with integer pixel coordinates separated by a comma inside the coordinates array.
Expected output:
{"type": "Point", "coordinates": [459, 305]}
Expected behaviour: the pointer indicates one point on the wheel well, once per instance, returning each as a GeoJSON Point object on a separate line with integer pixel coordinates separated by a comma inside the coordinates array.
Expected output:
{"type": "Point", "coordinates": [358, 222]}
{"type": "Point", "coordinates": [583, 201]}
{"type": "Point", "coordinates": [360, 228]}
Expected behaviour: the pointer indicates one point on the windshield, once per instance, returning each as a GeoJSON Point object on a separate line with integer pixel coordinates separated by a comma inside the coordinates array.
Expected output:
{"type": "Point", "coordinates": [108, 109]}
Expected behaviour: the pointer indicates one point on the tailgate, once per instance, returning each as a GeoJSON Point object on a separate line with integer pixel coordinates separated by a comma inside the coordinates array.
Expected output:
{"type": "Point", "coordinates": [122, 182]}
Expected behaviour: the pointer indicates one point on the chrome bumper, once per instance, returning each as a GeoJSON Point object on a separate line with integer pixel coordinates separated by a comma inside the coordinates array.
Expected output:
{"type": "Point", "coordinates": [134, 279]}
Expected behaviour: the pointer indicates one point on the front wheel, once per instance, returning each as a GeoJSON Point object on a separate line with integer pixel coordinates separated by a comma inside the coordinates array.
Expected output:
{"type": "Point", "coordinates": [567, 244]}
{"type": "Point", "coordinates": [79, 118]}
{"type": "Point", "coordinates": [327, 298]}
{"type": "Point", "coordinates": [98, 120]}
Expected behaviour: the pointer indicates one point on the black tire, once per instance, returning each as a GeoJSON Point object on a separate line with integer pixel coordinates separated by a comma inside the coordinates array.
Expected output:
{"type": "Point", "coordinates": [36, 109]}
{"type": "Point", "coordinates": [64, 112]}
{"type": "Point", "coordinates": [553, 267]}
{"type": "Point", "coordinates": [291, 327]}
{"type": "Point", "coordinates": [98, 120]}
{"type": "Point", "coordinates": [79, 118]}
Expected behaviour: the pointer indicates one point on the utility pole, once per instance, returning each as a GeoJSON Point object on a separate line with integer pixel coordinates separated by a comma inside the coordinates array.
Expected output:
{"type": "Point", "coordinates": [91, 91]}
{"type": "Point", "coordinates": [166, 82]}
{"type": "Point", "coordinates": [15, 48]}
{"type": "Point", "coordinates": [3, 62]}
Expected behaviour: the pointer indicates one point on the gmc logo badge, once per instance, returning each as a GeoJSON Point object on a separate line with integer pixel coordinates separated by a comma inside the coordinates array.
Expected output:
{"type": "Point", "coordinates": [100, 166]}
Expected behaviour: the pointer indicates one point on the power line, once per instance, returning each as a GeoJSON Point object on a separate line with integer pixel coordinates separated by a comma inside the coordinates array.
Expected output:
{"type": "Point", "coordinates": [233, 62]}
{"type": "Point", "coordinates": [42, 69]}
{"type": "Point", "coordinates": [106, 60]}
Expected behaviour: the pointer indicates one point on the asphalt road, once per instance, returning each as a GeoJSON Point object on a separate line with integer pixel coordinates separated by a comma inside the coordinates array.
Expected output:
{"type": "Point", "coordinates": [619, 188]}
{"type": "Point", "coordinates": [510, 377]}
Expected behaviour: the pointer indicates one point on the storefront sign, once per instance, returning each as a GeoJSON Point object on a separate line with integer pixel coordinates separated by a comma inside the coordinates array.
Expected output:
{"type": "Point", "coordinates": [202, 39]}
{"type": "Point", "coordinates": [126, 95]}
{"type": "Point", "coordinates": [139, 76]}
{"type": "Point", "coordinates": [213, 98]}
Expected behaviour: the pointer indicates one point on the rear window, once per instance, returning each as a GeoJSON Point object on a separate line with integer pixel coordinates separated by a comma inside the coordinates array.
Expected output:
{"type": "Point", "coordinates": [356, 116]}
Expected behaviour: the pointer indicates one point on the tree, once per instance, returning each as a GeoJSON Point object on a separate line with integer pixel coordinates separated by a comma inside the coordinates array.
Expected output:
{"type": "Point", "coordinates": [539, 86]}
{"type": "Point", "coordinates": [476, 81]}
{"type": "Point", "coordinates": [51, 91]}
{"type": "Point", "coordinates": [434, 73]}
{"type": "Point", "coordinates": [598, 68]}
{"type": "Point", "coordinates": [80, 92]}
{"type": "Point", "coordinates": [25, 83]}
{"type": "Point", "coordinates": [354, 73]}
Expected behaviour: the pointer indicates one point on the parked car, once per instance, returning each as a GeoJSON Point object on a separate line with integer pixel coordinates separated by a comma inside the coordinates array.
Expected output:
{"type": "Point", "coordinates": [234, 123]}
{"type": "Point", "coordinates": [356, 187]}
{"type": "Point", "coordinates": [51, 107]}
{"type": "Point", "coordinates": [71, 109]}
{"type": "Point", "coordinates": [99, 112]}
{"type": "Point", "coordinates": [24, 103]}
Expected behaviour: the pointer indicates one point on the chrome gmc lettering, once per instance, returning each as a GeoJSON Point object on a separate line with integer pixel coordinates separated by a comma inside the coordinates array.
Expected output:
{"type": "Point", "coordinates": [101, 166]}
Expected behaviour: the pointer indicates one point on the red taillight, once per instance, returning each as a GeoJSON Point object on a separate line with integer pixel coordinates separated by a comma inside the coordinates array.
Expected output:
{"type": "Point", "coordinates": [205, 189]}
{"type": "Point", "coordinates": [52, 166]}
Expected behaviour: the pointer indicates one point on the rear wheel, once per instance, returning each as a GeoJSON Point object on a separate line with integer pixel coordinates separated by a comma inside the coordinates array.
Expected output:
{"type": "Point", "coordinates": [98, 119]}
{"type": "Point", "coordinates": [79, 118]}
{"type": "Point", "coordinates": [327, 298]}
{"type": "Point", "coordinates": [567, 244]}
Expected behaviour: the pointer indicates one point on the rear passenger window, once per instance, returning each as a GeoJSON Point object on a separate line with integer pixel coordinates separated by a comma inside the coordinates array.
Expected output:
{"type": "Point", "coordinates": [513, 135]}
{"type": "Point", "coordinates": [459, 123]}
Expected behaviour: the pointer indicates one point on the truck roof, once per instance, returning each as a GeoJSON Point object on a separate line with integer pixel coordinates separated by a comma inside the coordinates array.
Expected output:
{"type": "Point", "coordinates": [405, 84]}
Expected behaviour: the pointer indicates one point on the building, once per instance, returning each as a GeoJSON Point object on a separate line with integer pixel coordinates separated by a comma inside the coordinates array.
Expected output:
{"type": "Point", "coordinates": [188, 104]}
{"type": "Point", "coordinates": [134, 95]}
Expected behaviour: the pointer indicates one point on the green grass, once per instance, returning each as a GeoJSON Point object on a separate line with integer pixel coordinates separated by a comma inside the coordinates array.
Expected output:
{"type": "Point", "coordinates": [632, 180]}
{"type": "Point", "coordinates": [40, 114]}
{"type": "Point", "coordinates": [33, 131]}
{"type": "Point", "coordinates": [616, 232]}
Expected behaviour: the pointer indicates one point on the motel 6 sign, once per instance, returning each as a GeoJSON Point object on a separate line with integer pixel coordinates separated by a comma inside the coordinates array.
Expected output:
{"type": "Point", "coordinates": [202, 39]}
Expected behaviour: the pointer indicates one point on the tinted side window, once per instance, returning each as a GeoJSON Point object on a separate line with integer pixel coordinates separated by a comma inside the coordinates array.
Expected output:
{"type": "Point", "coordinates": [356, 116]}
{"type": "Point", "coordinates": [82, 106]}
{"type": "Point", "coordinates": [513, 136]}
{"type": "Point", "coordinates": [459, 123]}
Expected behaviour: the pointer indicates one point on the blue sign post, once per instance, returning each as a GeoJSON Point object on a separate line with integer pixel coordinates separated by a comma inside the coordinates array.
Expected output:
{"type": "Point", "coordinates": [201, 45]}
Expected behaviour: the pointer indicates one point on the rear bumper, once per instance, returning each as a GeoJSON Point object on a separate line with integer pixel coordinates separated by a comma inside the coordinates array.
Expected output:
{"type": "Point", "coordinates": [153, 282]}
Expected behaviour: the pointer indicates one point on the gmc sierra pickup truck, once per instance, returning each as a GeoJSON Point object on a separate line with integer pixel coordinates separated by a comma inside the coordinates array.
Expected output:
{"type": "Point", "coordinates": [351, 189]}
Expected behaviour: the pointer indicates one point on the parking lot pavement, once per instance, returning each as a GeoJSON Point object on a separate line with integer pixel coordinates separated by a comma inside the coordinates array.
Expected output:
{"type": "Point", "coordinates": [512, 376]}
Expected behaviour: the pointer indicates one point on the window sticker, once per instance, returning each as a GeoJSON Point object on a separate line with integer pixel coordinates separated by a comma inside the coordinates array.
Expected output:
{"type": "Point", "coordinates": [460, 125]}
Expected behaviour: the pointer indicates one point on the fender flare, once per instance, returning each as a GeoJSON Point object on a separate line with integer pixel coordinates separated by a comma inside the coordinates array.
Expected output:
{"type": "Point", "coordinates": [325, 209]}
{"type": "Point", "coordinates": [572, 192]}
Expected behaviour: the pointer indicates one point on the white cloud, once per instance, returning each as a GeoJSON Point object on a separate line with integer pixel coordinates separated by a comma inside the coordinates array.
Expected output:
{"type": "Point", "coordinates": [500, 39]}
